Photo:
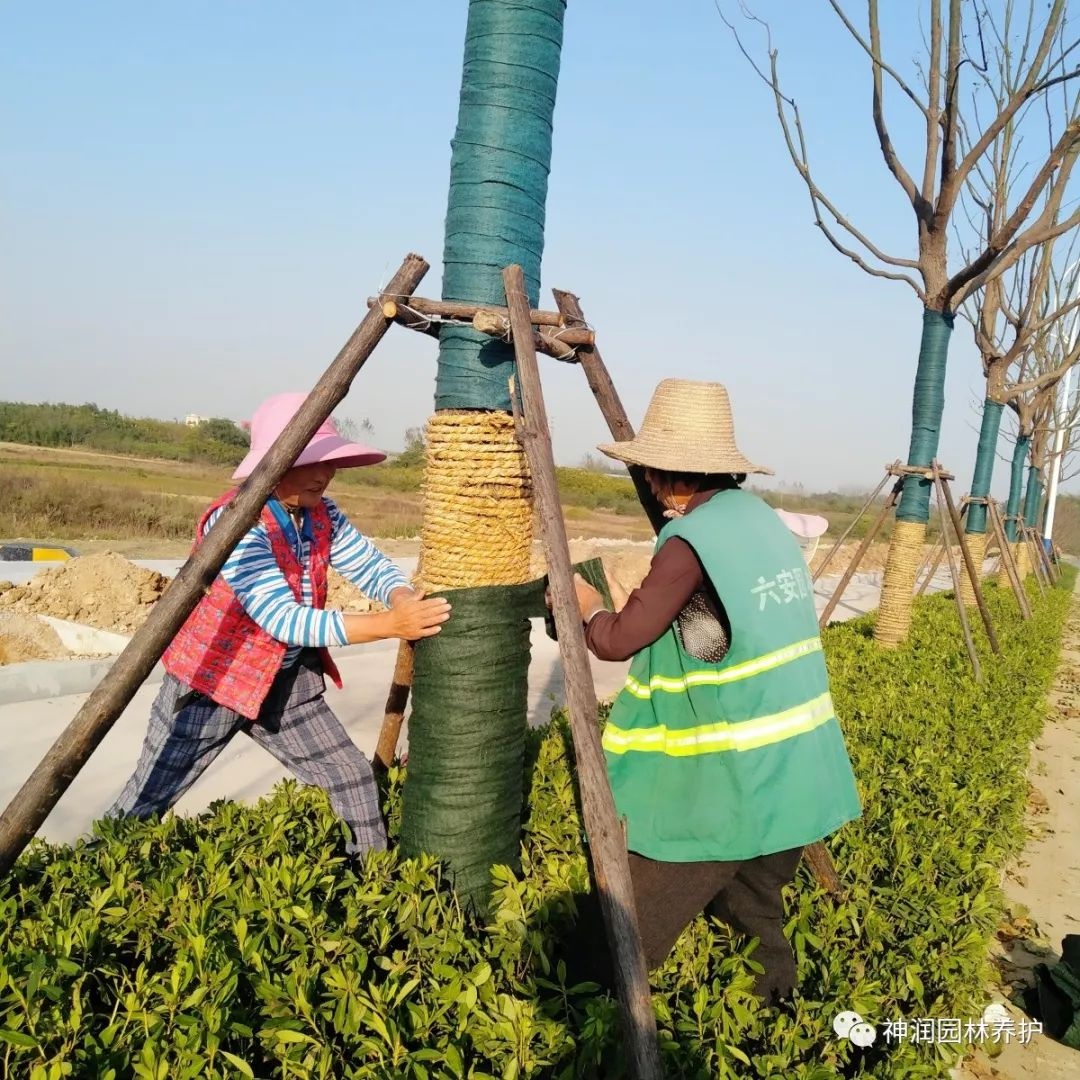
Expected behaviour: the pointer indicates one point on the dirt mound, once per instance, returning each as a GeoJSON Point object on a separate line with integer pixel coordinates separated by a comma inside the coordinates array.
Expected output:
{"type": "Point", "coordinates": [22, 637]}
{"type": "Point", "coordinates": [105, 591]}
{"type": "Point", "coordinates": [345, 596]}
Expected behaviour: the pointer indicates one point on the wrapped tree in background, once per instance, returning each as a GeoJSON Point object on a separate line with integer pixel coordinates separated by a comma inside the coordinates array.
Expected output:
{"type": "Point", "coordinates": [983, 71]}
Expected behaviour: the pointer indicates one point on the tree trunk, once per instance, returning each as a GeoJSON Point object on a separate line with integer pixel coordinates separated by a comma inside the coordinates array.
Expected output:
{"type": "Point", "coordinates": [980, 488]}
{"type": "Point", "coordinates": [905, 549]}
{"type": "Point", "coordinates": [463, 789]}
{"type": "Point", "coordinates": [1032, 497]}
{"type": "Point", "coordinates": [1012, 508]}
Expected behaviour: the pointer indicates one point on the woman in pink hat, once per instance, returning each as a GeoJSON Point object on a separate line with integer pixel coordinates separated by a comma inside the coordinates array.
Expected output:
{"type": "Point", "coordinates": [252, 655]}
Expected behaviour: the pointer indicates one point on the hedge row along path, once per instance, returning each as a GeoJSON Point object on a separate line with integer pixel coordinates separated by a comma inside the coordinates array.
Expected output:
{"type": "Point", "coordinates": [1042, 886]}
{"type": "Point", "coordinates": [239, 944]}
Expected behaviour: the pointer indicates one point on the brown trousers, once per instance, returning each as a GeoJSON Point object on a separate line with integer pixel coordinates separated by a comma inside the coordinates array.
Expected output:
{"type": "Point", "coordinates": [668, 896]}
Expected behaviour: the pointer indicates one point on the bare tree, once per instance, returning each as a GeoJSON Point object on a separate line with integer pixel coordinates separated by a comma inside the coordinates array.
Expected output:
{"type": "Point", "coordinates": [1019, 320]}
{"type": "Point", "coordinates": [964, 103]}
{"type": "Point", "coordinates": [353, 429]}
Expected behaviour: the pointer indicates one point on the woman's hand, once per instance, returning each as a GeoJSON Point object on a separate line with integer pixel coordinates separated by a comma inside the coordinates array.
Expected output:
{"type": "Point", "coordinates": [403, 593]}
{"type": "Point", "coordinates": [417, 618]}
{"type": "Point", "coordinates": [589, 600]}
{"type": "Point", "coordinates": [410, 618]}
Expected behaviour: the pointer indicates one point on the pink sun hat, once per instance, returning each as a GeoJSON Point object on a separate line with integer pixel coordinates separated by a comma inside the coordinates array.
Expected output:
{"type": "Point", "coordinates": [805, 526]}
{"type": "Point", "coordinates": [326, 445]}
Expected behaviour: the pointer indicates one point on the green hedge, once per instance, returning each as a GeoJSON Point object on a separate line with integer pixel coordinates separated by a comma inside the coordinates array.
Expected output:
{"type": "Point", "coordinates": [241, 944]}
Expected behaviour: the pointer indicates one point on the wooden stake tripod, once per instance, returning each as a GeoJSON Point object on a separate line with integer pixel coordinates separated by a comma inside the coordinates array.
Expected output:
{"type": "Point", "coordinates": [1040, 561]}
{"type": "Point", "coordinates": [1029, 536]}
{"type": "Point", "coordinates": [948, 513]}
{"type": "Point", "coordinates": [993, 513]}
{"type": "Point", "coordinates": [566, 324]}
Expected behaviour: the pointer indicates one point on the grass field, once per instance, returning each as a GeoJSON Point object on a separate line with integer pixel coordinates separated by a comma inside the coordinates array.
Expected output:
{"type": "Point", "coordinates": [149, 506]}
{"type": "Point", "coordinates": [80, 495]}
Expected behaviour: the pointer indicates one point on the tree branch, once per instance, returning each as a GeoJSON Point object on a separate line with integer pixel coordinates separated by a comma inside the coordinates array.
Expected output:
{"type": "Point", "coordinates": [877, 60]}
{"type": "Point", "coordinates": [1004, 248]}
{"type": "Point", "coordinates": [1026, 89]}
{"type": "Point", "coordinates": [952, 102]}
{"type": "Point", "coordinates": [888, 151]}
{"type": "Point", "coordinates": [799, 154]}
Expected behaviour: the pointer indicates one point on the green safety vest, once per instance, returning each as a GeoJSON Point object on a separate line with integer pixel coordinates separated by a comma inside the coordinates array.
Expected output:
{"type": "Point", "coordinates": [744, 757]}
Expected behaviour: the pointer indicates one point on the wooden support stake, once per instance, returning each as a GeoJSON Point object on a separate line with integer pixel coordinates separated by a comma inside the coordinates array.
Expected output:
{"type": "Point", "coordinates": [452, 309]}
{"type": "Point", "coordinates": [1033, 554]}
{"type": "Point", "coordinates": [52, 777]}
{"type": "Point", "coordinates": [491, 322]}
{"type": "Point", "coordinates": [821, 866]}
{"type": "Point", "coordinates": [1044, 556]}
{"type": "Point", "coordinates": [409, 318]}
{"type": "Point", "coordinates": [937, 553]}
{"type": "Point", "coordinates": [498, 325]}
{"type": "Point", "coordinates": [396, 700]}
{"type": "Point", "coordinates": [851, 528]}
{"type": "Point", "coordinates": [1007, 561]}
{"type": "Point", "coordinates": [867, 540]}
{"type": "Point", "coordinates": [974, 573]}
{"type": "Point", "coordinates": [606, 847]}
{"type": "Point", "coordinates": [611, 407]}
{"type": "Point", "coordinates": [969, 641]}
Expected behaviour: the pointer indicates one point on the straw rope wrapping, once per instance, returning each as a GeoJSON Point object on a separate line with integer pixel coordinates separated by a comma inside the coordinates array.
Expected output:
{"type": "Point", "coordinates": [1003, 575]}
{"type": "Point", "coordinates": [976, 543]}
{"type": "Point", "coordinates": [478, 515]}
{"type": "Point", "coordinates": [905, 554]}
{"type": "Point", "coordinates": [1022, 555]}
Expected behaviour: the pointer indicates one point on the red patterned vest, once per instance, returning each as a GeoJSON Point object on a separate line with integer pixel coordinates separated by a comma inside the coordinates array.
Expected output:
{"type": "Point", "coordinates": [223, 653]}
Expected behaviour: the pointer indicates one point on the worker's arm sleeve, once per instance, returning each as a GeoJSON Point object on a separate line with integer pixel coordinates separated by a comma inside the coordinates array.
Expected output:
{"type": "Point", "coordinates": [675, 575]}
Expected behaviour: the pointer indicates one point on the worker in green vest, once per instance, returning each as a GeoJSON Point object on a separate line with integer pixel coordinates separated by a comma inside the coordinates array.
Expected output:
{"type": "Point", "coordinates": [723, 750]}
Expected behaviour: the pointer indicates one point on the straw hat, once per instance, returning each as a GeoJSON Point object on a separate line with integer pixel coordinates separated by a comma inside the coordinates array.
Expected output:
{"type": "Point", "coordinates": [687, 428]}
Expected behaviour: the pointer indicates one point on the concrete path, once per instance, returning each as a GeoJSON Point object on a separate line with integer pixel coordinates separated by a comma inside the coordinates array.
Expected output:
{"type": "Point", "coordinates": [38, 700]}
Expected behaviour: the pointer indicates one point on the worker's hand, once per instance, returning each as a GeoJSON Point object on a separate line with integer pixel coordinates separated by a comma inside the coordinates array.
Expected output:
{"type": "Point", "coordinates": [403, 593]}
{"type": "Point", "coordinates": [415, 618]}
{"type": "Point", "coordinates": [589, 599]}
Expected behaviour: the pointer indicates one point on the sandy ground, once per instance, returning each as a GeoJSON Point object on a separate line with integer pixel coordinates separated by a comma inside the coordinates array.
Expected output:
{"type": "Point", "coordinates": [1043, 887]}
{"type": "Point", "coordinates": [23, 637]}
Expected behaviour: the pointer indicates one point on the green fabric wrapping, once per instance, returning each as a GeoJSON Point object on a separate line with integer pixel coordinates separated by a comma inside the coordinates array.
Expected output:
{"type": "Point", "coordinates": [462, 798]}
{"type": "Point", "coordinates": [1032, 498]}
{"type": "Point", "coordinates": [928, 403]}
{"type": "Point", "coordinates": [498, 184]}
{"type": "Point", "coordinates": [1016, 488]}
{"type": "Point", "coordinates": [984, 466]}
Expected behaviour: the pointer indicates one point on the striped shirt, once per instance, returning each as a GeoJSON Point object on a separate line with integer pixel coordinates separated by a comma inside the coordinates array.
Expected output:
{"type": "Point", "coordinates": [252, 572]}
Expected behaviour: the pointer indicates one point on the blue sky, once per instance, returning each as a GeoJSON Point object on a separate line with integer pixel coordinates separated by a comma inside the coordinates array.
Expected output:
{"type": "Point", "coordinates": [198, 198]}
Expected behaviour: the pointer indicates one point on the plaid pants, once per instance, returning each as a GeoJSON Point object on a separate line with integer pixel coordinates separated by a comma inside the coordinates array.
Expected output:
{"type": "Point", "coordinates": [188, 730]}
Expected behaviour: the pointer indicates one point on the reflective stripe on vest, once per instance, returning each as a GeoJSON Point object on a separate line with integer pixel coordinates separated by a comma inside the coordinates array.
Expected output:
{"type": "Point", "coordinates": [714, 738]}
{"type": "Point", "coordinates": [681, 683]}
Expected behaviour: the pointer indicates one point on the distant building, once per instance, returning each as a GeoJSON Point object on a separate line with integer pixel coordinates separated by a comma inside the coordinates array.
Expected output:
{"type": "Point", "coordinates": [194, 419]}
